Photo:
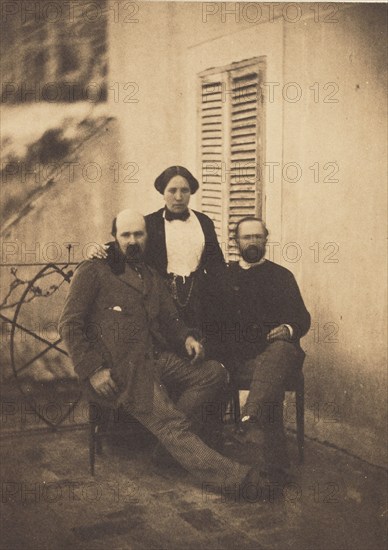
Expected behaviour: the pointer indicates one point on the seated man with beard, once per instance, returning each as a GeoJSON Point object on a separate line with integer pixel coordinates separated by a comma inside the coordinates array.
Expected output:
{"type": "Point", "coordinates": [118, 323]}
{"type": "Point", "coordinates": [265, 319]}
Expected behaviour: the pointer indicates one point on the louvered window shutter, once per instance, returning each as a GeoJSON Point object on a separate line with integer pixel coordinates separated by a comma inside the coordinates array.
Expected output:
{"type": "Point", "coordinates": [213, 153]}
{"type": "Point", "coordinates": [232, 127]}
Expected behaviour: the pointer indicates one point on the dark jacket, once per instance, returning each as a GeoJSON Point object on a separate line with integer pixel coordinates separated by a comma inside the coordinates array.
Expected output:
{"type": "Point", "coordinates": [212, 260]}
{"type": "Point", "coordinates": [260, 299]}
{"type": "Point", "coordinates": [255, 301]}
{"type": "Point", "coordinates": [112, 318]}
{"type": "Point", "coordinates": [208, 292]}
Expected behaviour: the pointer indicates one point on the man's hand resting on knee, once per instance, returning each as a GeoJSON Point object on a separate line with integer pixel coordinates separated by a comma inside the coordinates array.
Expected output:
{"type": "Point", "coordinates": [103, 383]}
{"type": "Point", "coordinates": [194, 349]}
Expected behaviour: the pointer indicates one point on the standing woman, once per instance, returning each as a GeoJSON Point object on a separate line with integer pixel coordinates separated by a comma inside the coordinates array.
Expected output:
{"type": "Point", "coordinates": [183, 247]}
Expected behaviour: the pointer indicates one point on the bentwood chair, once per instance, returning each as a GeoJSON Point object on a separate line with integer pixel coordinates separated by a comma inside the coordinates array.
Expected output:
{"type": "Point", "coordinates": [116, 425]}
{"type": "Point", "coordinates": [296, 385]}
{"type": "Point", "coordinates": [98, 422]}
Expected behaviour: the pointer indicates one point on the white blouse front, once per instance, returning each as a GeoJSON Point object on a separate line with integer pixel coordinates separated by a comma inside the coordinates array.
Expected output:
{"type": "Point", "coordinates": [185, 242]}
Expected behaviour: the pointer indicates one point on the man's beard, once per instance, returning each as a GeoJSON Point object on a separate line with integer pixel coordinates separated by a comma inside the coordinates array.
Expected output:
{"type": "Point", "coordinates": [133, 253]}
{"type": "Point", "coordinates": [253, 253]}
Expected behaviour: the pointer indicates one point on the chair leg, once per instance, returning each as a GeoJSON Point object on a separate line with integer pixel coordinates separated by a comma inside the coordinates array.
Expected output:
{"type": "Point", "coordinates": [98, 440]}
{"type": "Point", "coordinates": [98, 420]}
{"type": "Point", "coordinates": [92, 447]}
{"type": "Point", "coordinates": [236, 404]}
{"type": "Point", "coordinates": [95, 444]}
{"type": "Point", "coordinates": [300, 420]}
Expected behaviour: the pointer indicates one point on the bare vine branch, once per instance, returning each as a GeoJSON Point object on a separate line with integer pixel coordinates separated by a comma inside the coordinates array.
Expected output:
{"type": "Point", "coordinates": [36, 290]}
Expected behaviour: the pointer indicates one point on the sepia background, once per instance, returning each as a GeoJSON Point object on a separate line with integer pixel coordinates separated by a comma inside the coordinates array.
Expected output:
{"type": "Point", "coordinates": [278, 113]}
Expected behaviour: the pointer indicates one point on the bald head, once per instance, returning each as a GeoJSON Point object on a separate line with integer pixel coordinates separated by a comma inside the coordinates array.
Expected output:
{"type": "Point", "coordinates": [129, 229]}
{"type": "Point", "coordinates": [129, 216]}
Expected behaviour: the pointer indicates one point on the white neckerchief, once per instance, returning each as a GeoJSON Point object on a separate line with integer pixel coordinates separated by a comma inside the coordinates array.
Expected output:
{"type": "Point", "coordinates": [185, 242]}
{"type": "Point", "coordinates": [246, 265]}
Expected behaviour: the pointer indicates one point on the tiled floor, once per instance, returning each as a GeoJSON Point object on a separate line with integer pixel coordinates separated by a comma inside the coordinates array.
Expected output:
{"type": "Point", "coordinates": [49, 501]}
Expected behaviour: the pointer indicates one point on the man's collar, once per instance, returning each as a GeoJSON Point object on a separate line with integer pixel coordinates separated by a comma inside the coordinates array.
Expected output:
{"type": "Point", "coordinates": [246, 265]}
{"type": "Point", "coordinates": [171, 216]}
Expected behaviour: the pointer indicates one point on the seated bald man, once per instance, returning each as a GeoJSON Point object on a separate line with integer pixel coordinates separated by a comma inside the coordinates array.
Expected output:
{"type": "Point", "coordinates": [118, 323]}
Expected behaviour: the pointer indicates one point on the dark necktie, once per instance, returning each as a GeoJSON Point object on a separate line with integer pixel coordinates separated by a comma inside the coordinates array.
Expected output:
{"type": "Point", "coordinates": [170, 216]}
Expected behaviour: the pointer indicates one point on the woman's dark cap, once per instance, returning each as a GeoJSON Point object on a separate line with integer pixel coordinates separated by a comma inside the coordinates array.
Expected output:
{"type": "Point", "coordinates": [161, 181]}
